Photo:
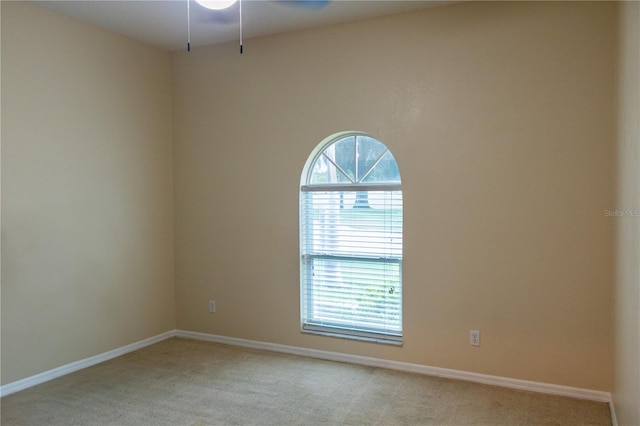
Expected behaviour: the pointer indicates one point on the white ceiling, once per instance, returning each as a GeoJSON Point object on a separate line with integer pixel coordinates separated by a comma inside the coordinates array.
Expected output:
{"type": "Point", "coordinates": [163, 23]}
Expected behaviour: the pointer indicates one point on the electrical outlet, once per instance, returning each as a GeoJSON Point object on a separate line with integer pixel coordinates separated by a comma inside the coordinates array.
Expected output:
{"type": "Point", "coordinates": [474, 337]}
{"type": "Point", "coordinates": [212, 306]}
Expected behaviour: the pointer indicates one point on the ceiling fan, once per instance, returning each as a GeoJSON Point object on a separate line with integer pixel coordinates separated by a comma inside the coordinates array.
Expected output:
{"type": "Point", "coordinates": [224, 4]}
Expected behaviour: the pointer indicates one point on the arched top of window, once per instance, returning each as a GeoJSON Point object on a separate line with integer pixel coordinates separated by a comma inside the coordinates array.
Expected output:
{"type": "Point", "coordinates": [351, 158]}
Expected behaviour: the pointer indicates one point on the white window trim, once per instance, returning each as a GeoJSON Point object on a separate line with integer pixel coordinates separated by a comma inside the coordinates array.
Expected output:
{"type": "Point", "coordinates": [336, 330]}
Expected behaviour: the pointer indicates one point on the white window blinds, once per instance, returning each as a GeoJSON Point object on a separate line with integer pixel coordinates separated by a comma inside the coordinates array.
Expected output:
{"type": "Point", "coordinates": [351, 242]}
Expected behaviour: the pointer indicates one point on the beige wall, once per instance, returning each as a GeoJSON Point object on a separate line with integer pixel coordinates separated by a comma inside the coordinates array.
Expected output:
{"type": "Point", "coordinates": [501, 117]}
{"type": "Point", "coordinates": [87, 216]}
{"type": "Point", "coordinates": [626, 390]}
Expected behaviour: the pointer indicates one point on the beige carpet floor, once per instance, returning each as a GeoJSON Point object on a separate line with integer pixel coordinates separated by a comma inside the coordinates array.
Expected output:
{"type": "Point", "coordinates": [188, 382]}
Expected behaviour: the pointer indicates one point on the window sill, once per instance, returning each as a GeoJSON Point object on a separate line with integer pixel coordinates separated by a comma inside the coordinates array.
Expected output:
{"type": "Point", "coordinates": [354, 337]}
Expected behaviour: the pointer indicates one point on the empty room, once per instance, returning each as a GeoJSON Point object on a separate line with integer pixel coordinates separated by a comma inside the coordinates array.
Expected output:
{"type": "Point", "coordinates": [320, 212]}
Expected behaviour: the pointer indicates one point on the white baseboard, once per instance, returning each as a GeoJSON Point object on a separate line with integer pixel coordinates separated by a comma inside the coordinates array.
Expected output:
{"type": "Point", "coordinates": [79, 365]}
{"type": "Point", "coordinates": [408, 367]}
{"type": "Point", "coordinates": [506, 382]}
{"type": "Point", "coordinates": [612, 409]}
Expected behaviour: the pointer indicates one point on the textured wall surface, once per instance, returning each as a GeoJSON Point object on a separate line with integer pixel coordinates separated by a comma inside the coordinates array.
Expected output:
{"type": "Point", "coordinates": [87, 191]}
{"type": "Point", "coordinates": [626, 390]}
{"type": "Point", "coordinates": [502, 119]}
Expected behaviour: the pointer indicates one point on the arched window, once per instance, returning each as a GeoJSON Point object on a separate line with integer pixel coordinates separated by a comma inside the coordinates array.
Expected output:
{"type": "Point", "coordinates": [351, 240]}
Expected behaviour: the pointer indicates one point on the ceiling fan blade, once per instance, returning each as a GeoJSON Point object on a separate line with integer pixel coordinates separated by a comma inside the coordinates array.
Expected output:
{"type": "Point", "coordinates": [308, 4]}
